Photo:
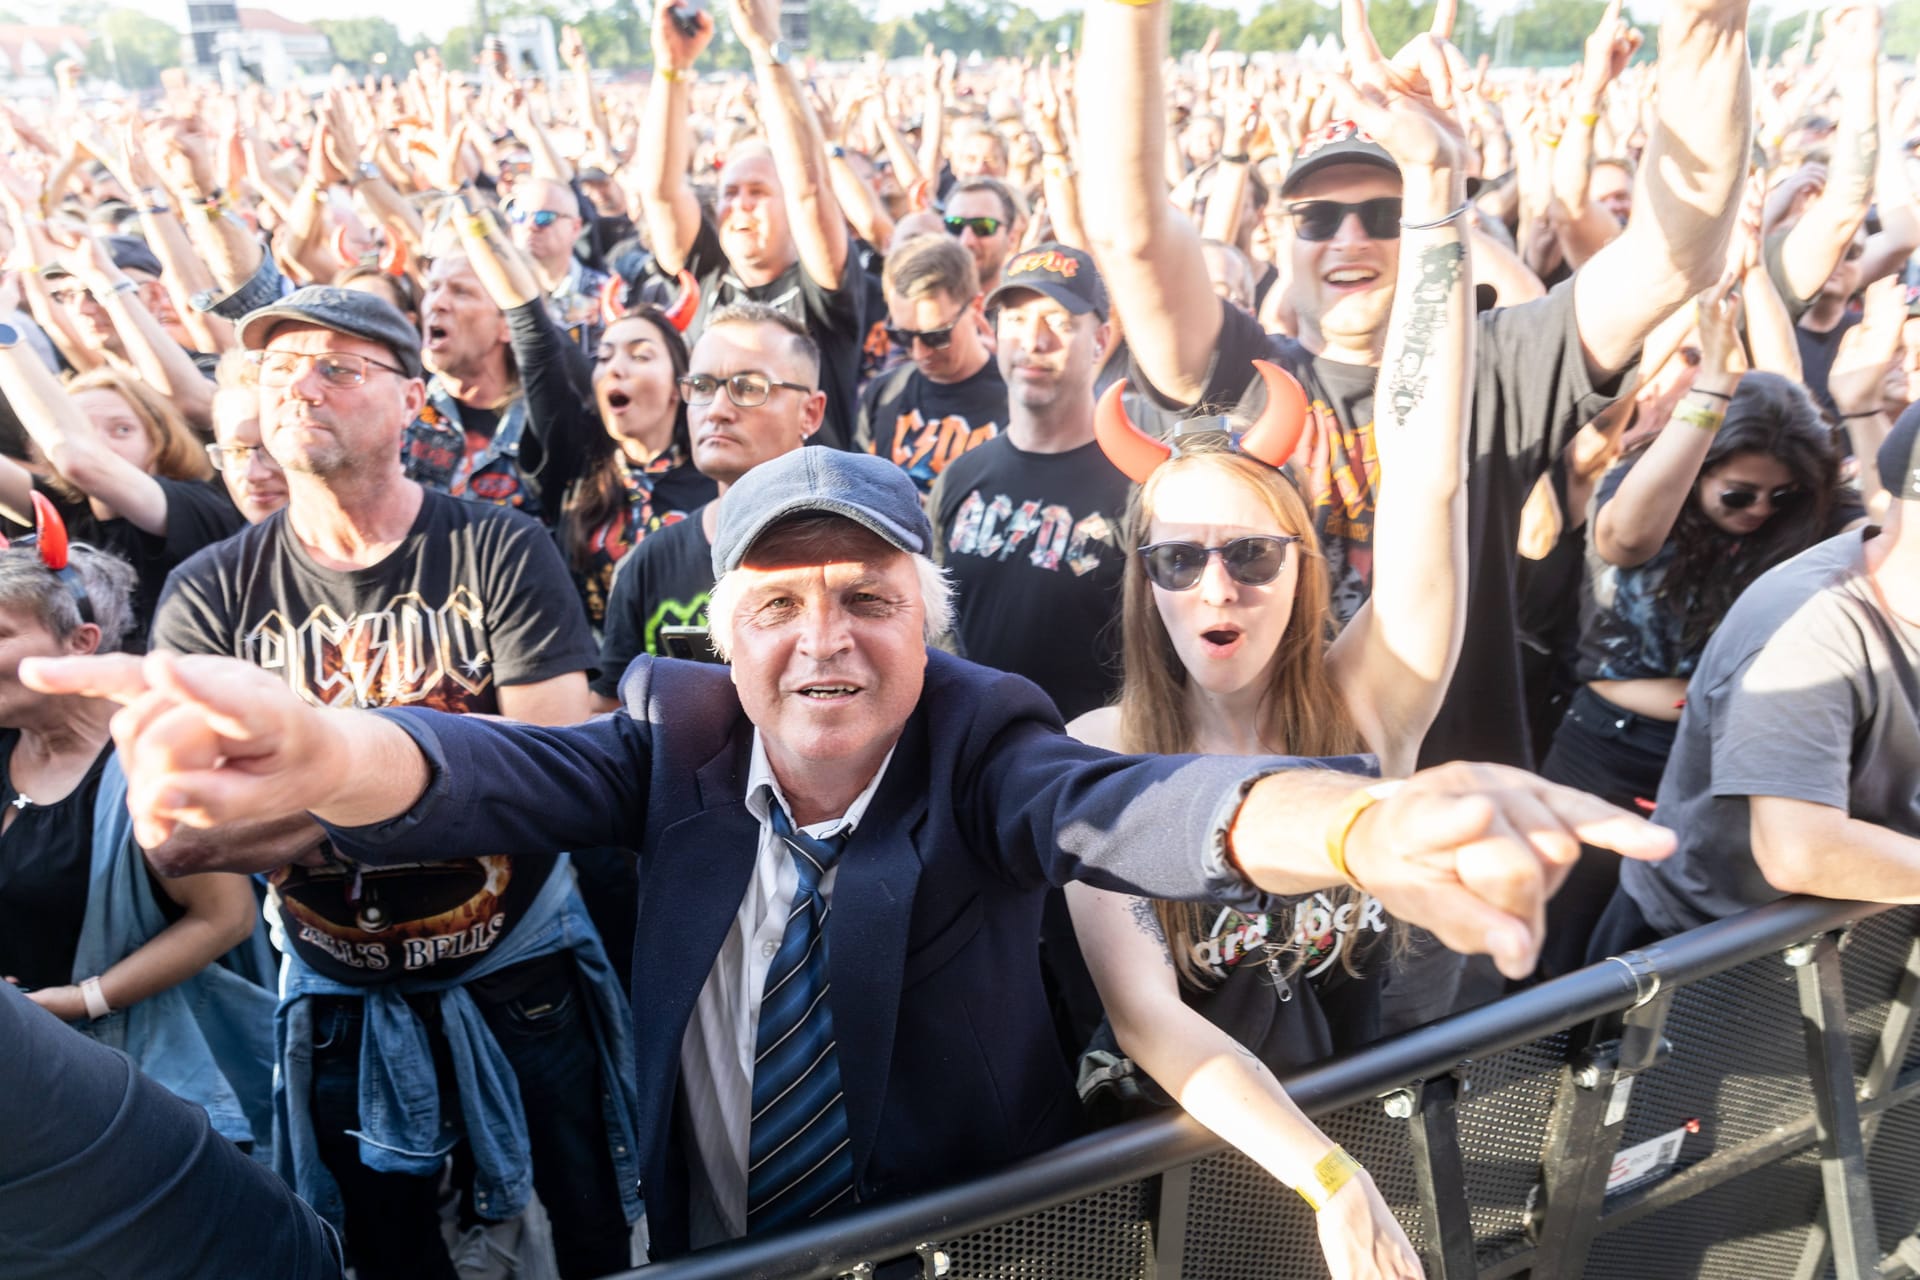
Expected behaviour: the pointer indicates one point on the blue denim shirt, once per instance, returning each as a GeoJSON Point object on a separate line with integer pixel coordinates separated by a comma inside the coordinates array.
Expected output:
{"type": "Point", "coordinates": [208, 1039]}
{"type": "Point", "coordinates": [402, 1129]}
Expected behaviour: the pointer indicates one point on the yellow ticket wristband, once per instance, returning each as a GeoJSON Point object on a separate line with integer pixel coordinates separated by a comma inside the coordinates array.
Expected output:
{"type": "Point", "coordinates": [1333, 1171]}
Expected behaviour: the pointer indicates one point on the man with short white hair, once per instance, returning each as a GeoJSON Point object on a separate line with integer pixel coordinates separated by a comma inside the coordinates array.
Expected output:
{"type": "Point", "coordinates": [844, 843]}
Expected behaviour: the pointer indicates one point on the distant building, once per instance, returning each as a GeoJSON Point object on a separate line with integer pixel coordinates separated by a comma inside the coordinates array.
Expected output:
{"type": "Point", "coordinates": [28, 55]}
{"type": "Point", "coordinates": [278, 50]}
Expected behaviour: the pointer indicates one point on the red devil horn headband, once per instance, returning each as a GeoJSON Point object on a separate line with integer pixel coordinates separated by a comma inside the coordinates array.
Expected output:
{"type": "Point", "coordinates": [1271, 438]}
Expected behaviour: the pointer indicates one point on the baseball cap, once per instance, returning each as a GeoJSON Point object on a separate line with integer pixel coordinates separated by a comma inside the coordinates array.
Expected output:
{"type": "Point", "coordinates": [1899, 457]}
{"type": "Point", "coordinates": [348, 311]}
{"type": "Point", "coordinates": [872, 492]}
{"type": "Point", "coordinates": [1338, 142]}
{"type": "Point", "coordinates": [1063, 273]}
{"type": "Point", "coordinates": [129, 253]}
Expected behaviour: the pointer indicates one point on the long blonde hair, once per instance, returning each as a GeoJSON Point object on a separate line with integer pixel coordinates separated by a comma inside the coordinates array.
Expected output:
{"type": "Point", "coordinates": [177, 453]}
{"type": "Point", "coordinates": [1301, 711]}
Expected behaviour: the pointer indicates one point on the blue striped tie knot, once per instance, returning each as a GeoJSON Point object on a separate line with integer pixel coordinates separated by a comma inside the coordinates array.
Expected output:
{"type": "Point", "coordinates": [798, 1159]}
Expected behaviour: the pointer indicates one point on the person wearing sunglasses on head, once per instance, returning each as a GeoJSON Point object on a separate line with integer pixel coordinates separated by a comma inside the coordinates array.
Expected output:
{"type": "Point", "coordinates": [949, 396]}
{"type": "Point", "coordinates": [1743, 476]}
{"type": "Point", "coordinates": [752, 394]}
{"type": "Point", "coordinates": [988, 219]}
{"type": "Point", "coordinates": [123, 470]}
{"type": "Point", "coordinates": [546, 223]}
{"type": "Point", "coordinates": [1224, 622]}
{"type": "Point", "coordinates": [1544, 368]}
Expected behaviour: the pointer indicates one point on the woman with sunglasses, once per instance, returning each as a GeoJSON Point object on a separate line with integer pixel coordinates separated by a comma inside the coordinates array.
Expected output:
{"type": "Point", "coordinates": [608, 441]}
{"type": "Point", "coordinates": [122, 469]}
{"type": "Point", "coordinates": [1226, 619]}
{"type": "Point", "coordinates": [1743, 476]}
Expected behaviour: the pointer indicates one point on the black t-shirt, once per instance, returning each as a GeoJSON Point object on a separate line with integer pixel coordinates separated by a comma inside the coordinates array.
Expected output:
{"type": "Point", "coordinates": [836, 318]}
{"type": "Point", "coordinates": [475, 597]}
{"type": "Point", "coordinates": [924, 425]}
{"type": "Point", "coordinates": [1817, 354]}
{"type": "Point", "coordinates": [658, 494]}
{"type": "Point", "coordinates": [199, 514]}
{"type": "Point", "coordinates": [1033, 542]}
{"type": "Point", "coordinates": [1531, 392]}
{"type": "Point", "coordinates": [46, 859]}
{"type": "Point", "coordinates": [663, 582]}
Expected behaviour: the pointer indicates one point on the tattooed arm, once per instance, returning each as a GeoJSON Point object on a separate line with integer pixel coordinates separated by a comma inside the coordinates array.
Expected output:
{"type": "Point", "coordinates": [1219, 1082]}
{"type": "Point", "coordinates": [1825, 232]}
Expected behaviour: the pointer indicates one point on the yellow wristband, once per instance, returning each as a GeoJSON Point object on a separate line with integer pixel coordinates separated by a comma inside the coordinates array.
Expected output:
{"type": "Point", "coordinates": [674, 75]}
{"type": "Point", "coordinates": [1590, 119]}
{"type": "Point", "coordinates": [1346, 819]}
{"type": "Point", "coordinates": [477, 226]}
{"type": "Point", "coordinates": [1334, 1171]}
{"type": "Point", "coordinates": [1136, 4]}
{"type": "Point", "coordinates": [1699, 415]}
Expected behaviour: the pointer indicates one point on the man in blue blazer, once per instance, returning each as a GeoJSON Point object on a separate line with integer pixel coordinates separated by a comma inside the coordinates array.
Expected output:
{"type": "Point", "coordinates": [844, 841]}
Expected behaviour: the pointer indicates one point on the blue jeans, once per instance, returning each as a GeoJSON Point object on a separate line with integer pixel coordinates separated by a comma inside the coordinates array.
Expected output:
{"type": "Point", "coordinates": [393, 1222]}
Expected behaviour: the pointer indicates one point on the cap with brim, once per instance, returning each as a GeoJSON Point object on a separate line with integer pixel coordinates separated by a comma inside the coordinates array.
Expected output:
{"type": "Point", "coordinates": [1061, 272]}
{"type": "Point", "coordinates": [1899, 457]}
{"type": "Point", "coordinates": [129, 253]}
{"type": "Point", "coordinates": [870, 491]}
{"type": "Point", "coordinates": [1337, 143]}
{"type": "Point", "coordinates": [348, 311]}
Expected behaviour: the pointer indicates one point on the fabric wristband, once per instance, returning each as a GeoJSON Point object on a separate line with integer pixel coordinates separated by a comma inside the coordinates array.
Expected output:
{"type": "Point", "coordinates": [1699, 415]}
{"type": "Point", "coordinates": [1333, 1171]}
{"type": "Point", "coordinates": [97, 1006]}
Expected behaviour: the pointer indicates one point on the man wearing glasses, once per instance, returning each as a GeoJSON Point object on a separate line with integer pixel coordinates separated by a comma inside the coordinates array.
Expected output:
{"type": "Point", "coordinates": [949, 397]}
{"type": "Point", "coordinates": [984, 215]}
{"type": "Point", "coordinates": [752, 393]}
{"type": "Point", "coordinates": [546, 222]}
{"type": "Point", "coordinates": [472, 996]}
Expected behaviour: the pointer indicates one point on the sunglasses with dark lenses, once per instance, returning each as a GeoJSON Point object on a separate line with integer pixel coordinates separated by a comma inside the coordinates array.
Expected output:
{"type": "Point", "coordinates": [540, 218]}
{"type": "Point", "coordinates": [747, 390]}
{"type": "Point", "coordinates": [979, 226]}
{"type": "Point", "coordinates": [1321, 219]}
{"type": "Point", "coordinates": [1741, 499]}
{"type": "Point", "coordinates": [1251, 562]}
{"type": "Point", "coordinates": [932, 339]}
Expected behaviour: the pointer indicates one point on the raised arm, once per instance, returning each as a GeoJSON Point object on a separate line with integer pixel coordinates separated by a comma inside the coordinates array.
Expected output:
{"type": "Point", "coordinates": [667, 202]}
{"type": "Point", "coordinates": [68, 441]}
{"type": "Point", "coordinates": [813, 211]}
{"type": "Point", "coordinates": [1150, 259]}
{"type": "Point", "coordinates": [1675, 245]}
{"type": "Point", "coordinates": [1822, 236]}
{"type": "Point", "coordinates": [1585, 227]}
{"type": "Point", "coordinates": [163, 364]}
{"type": "Point", "coordinates": [1395, 660]}
{"type": "Point", "coordinates": [1057, 179]}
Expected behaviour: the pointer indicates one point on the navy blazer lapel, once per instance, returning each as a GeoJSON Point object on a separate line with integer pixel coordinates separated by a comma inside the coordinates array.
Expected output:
{"type": "Point", "coordinates": [868, 931]}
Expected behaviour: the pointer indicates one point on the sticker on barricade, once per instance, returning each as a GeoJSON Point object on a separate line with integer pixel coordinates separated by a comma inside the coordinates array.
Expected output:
{"type": "Point", "coordinates": [1648, 1161]}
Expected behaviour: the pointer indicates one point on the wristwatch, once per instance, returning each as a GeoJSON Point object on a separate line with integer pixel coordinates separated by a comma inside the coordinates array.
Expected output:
{"type": "Point", "coordinates": [779, 52]}
{"type": "Point", "coordinates": [368, 171]}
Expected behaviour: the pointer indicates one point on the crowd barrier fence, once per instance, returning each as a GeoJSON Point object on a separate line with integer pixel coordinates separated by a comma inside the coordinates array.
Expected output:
{"type": "Point", "coordinates": [1741, 1102]}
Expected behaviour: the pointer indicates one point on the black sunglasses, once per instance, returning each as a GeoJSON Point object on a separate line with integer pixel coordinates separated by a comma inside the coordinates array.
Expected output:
{"type": "Point", "coordinates": [1741, 499]}
{"type": "Point", "coordinates": [1321, 219]}
{"type": "Point", "coordinates": [979, 226]}
{"type": "Point", "coordinates": [932, 339]}
{"type": "Point", "coordinates": [1251, 562]}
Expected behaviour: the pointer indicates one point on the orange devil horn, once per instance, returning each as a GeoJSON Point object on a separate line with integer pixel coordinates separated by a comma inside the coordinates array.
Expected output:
{"type": "Point", "coordinates": [52, 531]}
{"type": "Point", "coordinates": [1273, 437]}
{"type": "Point", "coordinates": [687, 305]}
{"type": "Point", "coordinates": [393, 258]}
{"type": "Point", "coordinates": [919, 195]}
{"type": "Point", "coordinates": [1127, 447]}
{"type": "Point", "coordinates": [613, 299]}
{"type": "Point", "coordinates": [340, 247]}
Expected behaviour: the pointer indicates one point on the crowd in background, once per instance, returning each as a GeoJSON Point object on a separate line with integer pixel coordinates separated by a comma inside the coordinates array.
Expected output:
{"type": "Point", "coordinates": [1413, 412]}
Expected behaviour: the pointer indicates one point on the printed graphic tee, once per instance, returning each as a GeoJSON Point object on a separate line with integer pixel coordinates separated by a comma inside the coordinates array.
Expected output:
{"type": "Point", "coordinates": [663, 582]}
{"type": "Point", "coordinates": [923, 425]}
{"type": "Point", "coordinates": [475, 597]}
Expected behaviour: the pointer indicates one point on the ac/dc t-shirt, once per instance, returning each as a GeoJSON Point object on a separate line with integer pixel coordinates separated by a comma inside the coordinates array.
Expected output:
{"type": "Point", "coordinates": [1033, 543]}
{"type": "Point", "coordinates": [663, 582]}
{"type": "Point", "coordinates": [473, 598]}
{"type": "Point", "coordinates": [1531, 392]}
{"type": "Point", "coordinates": [923, 425]}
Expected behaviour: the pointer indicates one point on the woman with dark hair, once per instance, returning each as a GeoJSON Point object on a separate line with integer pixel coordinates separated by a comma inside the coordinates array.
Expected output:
{"type": "Point", "coordinates": [1743, 476]}
{"type": "Point", "coordinates": [402, 290]}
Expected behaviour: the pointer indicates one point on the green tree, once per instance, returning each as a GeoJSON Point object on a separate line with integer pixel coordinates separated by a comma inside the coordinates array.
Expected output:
{"type": "Point", "coordinates": [142, 47]}
{"type": "Point", "coordinates": [1283, 26]}
{"type": "Point", "coordinates": [1900, 36]}
{"type": "Point", "coordinates": [1546, 32]}
{"type": "Point", "coordinates": [1191, 21]}
{"type": "Point", "coordinates": [356, 40]}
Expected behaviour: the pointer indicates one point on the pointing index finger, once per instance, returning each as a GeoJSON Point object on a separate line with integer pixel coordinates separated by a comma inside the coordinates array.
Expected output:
{"type": "Point", "coordinates": [1362, 48]}
{"type": "Point", "coordinates": [114, 675]}
{"type": "Point", "coordinates": [1445, 11]}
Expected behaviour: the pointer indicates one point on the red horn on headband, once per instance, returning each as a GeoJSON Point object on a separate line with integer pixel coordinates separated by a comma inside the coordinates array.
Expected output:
{"type": "Point", "coordinates": [1127, 447]}
{"type": "Point", "coordinates": [687, 305]}
{"type": "Point", "coordinates": [613, 300]}
{"type": "Point", "coordinates": [393, 258]}
{"type": "Point", "coordinates": [340, 247]}
{"type": "Point", "coordinates": [52, 531]}
{"type": "Point", "coordinates": [1273, 437]}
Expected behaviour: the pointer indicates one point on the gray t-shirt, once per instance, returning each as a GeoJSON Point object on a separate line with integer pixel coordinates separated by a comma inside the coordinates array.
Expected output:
{"type": "Point", "coordinates": [1810, 690]}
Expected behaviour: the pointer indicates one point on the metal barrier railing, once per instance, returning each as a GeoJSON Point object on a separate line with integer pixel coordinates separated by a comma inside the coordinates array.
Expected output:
{"type": "Point", "coordinates": [1736, 1101]}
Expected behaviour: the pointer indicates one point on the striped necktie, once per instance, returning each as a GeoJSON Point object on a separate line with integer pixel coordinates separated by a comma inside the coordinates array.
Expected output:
{"type": "Point", "coordinates": [798, 1158]}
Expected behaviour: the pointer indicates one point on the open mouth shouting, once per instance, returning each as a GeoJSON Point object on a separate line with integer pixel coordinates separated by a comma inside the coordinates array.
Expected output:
{"type": "Point", "coordinates": [1350, 279]}
{"type": "Point", "coordinates": [1222, 641]}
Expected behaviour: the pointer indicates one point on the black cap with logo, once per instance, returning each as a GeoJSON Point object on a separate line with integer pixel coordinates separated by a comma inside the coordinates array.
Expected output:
{"type": "Point", "coordinates": [1061, 272]}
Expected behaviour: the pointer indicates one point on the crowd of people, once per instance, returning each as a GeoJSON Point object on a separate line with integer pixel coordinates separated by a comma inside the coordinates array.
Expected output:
{"type": "Point", "coordinates": [720, 651]}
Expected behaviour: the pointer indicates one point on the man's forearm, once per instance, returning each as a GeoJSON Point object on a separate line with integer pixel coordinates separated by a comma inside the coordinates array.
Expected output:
{"type": "Point", "coordinates": [255, 846]}
{"type": "Point", "coordinates": [819, 227]}
{"type": "Point", "coordinates": [670, 210]}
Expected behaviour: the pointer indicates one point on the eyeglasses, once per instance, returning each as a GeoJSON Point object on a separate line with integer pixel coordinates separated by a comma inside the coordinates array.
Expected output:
{"type": "Point", "coordinates": [1318, 220]}
{"type": "Point", "coordinates": [931, 339]}
{"type": "Point", "coordinates": [1251, 562]}
{"type": "Point", "coordinates": [979, 226]}
{"type": "Point", "coordinates": [1741, 499]}
{"type": "Point", "coordinates": [237, 458]}
{"type": "Point", "coordinates": [540, 218]}
{"type": "Point", "coordinates": [336, 368]}
{"type": "Point", "coordinates": [747, 390]}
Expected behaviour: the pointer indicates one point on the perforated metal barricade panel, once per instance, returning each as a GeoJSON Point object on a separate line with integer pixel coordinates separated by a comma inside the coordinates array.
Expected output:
{"type": "Point", "coordinates": [1893, 1166]}
{"type": "Point", "coordinates": [1503, 1125]}
{"type": "Point", "coordinates": [1873, 955]}
{"type": "Point", "coordinates": [1104, 1235]}
{"type": "Point", "coordinates": [1750, 1228]}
